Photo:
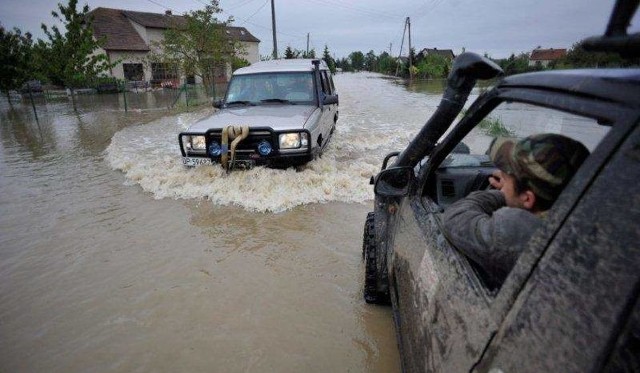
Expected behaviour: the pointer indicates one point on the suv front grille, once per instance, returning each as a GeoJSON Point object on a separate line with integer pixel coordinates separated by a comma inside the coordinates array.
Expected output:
{"type": "Point", "coordinates": [248, 145]}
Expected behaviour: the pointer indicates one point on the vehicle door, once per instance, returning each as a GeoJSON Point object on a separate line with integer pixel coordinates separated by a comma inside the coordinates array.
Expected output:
{"type": "Point", "coordinates": [447, 308]}
{"type": "Point", "coordinates": [329, 111]}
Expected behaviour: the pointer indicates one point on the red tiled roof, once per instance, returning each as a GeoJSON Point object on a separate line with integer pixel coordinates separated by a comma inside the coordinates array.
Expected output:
{"type": "Point", "coordinates": [547, 54]}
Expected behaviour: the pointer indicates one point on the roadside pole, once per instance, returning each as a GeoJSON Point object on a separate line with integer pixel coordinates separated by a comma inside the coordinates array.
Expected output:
{"type": "Point", "coordinates": [273, 26]}
{"type": "Point", "coordinates": [124, 95]}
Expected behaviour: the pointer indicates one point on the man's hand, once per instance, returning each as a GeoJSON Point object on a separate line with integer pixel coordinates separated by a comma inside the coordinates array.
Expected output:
{"type": "Point", "coordinates": [496, 180]}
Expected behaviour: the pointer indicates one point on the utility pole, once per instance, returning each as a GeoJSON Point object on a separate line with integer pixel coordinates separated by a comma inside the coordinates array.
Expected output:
{"type": "Point", "coordinates": [404, 31]}
{"type": "Point", "coordinates": [410, 59]}
{"type": "Point", "coordinates": [390, 46]}
{"type": "Point", "coordinates": [273, 26]}
{"type": "Point", "coordinates": [307, 45]}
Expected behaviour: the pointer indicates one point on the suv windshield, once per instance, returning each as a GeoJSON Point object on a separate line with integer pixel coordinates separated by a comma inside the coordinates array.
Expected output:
{"type": "Point", "coordinates": [270, 88]}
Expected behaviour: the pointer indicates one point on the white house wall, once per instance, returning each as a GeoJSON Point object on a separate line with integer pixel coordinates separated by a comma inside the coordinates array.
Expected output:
{"type": "Point", "coordinates": [152, 37]}
{"type": "Point", "coordinates": [128, 57]}
{"type": "Point", "coordinates": [251, 51]}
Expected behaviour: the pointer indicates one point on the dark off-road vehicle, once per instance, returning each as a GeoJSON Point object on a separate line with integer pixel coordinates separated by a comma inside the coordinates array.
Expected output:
{"type": "Point", "coordinates": [571, 302]}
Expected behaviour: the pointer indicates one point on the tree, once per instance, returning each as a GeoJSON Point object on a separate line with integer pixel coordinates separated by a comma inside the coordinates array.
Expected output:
{"type": "Point", "coordinates": [357, 60]}
{"type": "Point", "coordinates": [433, 66]}
{"type": "Point", "coordinates": [370, 61]}
{"type": "Point", "coordinates": [71, 57]}
{"type": "Point", "coordinates": [326, 56]}
{"type": "Point", "coordinates": [344, 64]}
{"type": "Point", "coordinates": [199, 45]}
{"type": "Point", "coordinates": [516, 64]}
{"type": "Point", "coordinates": [290, 53]}
{"type": "Point", "coordinates": [310, 54]}
{"type": "Point", "coordinates": [578, 57]}
{"type": "Point", "coordinates": [15, 51]}
{"type": "Point", "coordinates": [386, 63]}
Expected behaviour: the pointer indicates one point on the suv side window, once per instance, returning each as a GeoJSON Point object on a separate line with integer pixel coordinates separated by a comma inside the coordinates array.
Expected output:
{"type": "Point", "coordinates": [457, 175]}
{"type": "Point", "coordinates": [467, 167]}
{"type": "Point", "coordinates": [326, 87]}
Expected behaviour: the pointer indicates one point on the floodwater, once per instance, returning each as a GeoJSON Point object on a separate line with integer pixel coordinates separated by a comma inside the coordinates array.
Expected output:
{"type": "Point", "coordinates": [113, 257]}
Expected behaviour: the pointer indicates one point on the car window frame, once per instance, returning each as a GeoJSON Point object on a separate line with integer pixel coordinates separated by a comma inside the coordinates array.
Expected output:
{"type": "Point", "coordinates": [326, 87]}
{"type": "Point", "coordinates": [618, 116]}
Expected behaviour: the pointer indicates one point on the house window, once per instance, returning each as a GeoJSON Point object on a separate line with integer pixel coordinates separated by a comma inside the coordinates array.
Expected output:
{"type": "Point", "coordinates": [133, 71]}
{"type": "Point", "coordinates": [164, 71]}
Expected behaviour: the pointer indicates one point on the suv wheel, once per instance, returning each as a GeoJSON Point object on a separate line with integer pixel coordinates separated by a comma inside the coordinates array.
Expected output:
{"type": "Point", "coordinates": [369, 254]}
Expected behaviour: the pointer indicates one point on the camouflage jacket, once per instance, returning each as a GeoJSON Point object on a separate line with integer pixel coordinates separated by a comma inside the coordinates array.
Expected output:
{"type": "Point", "coordinates": [491, 234]}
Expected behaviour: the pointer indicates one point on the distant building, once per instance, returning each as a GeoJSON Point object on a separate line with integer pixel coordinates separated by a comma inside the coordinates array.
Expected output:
{"type": "Point", "coordinates": [446, 53]}
{"type": "Point", "coordinates": [542, 57]}
{"type": "Point", "coordinates": [130, 36]}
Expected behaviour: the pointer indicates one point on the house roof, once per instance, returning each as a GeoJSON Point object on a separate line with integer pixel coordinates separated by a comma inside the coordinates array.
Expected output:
{"type": "Point", "coordinates": [547, 54]}
{"type": "Point", "coordinates": [120, 34]}
{"type": "Point", "coordinates": [447, 53]}
{"type": "Point", "coordinates": [155, 20]}
{"type": "Point", "coordinates": [115, 28]}
{"type": "Point", "coordinates": [241, 33]}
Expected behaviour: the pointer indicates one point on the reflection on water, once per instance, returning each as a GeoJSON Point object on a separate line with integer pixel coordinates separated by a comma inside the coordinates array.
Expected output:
{"type": "Point", "coordinates": [428, 86]}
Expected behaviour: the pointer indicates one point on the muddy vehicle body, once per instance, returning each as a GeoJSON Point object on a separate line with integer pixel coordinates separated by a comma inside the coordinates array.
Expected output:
{"type": "Point", "coordinates": [571, 303]}
{"type": "Point", "coordinates": [275, 113]}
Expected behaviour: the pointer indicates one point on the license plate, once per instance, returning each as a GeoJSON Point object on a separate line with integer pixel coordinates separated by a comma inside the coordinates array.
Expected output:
{"type": "Point", "coordinates": [191, 162]}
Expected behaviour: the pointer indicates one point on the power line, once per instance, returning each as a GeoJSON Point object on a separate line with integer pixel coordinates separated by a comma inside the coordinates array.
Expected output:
{"type": "Point", "coordinates": [201, 2]}
{"type": "Point", "coordinates": [435, 4]}
{"type": "Point", "coordinates": [363, 11]}
{"type": "Point", "coordinates": [256, 12]}
{"type": "Point", "coordinates": [158, 4]}
{"type": "Point", "coordinates": [241, 4]}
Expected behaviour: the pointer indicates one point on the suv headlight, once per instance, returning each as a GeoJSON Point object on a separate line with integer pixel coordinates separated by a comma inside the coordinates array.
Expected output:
{"type": "Point", "coordinates": [197, 143]}
{"type": "Point", "coordinates": [293, 140]}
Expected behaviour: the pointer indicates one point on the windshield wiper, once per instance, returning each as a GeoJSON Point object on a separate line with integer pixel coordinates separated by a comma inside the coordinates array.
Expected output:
{"type": "Point", "coordinates": [281, 100]}
{"type": "Point", "coordinates": [240, 103]}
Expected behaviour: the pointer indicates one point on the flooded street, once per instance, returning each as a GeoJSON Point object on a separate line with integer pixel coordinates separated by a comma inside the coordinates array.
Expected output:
{"type": "Point", "coordinates": [113, 257]}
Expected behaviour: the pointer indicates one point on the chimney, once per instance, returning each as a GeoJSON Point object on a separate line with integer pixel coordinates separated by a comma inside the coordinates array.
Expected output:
{"type": "Point", "coordinates": [168, 12]}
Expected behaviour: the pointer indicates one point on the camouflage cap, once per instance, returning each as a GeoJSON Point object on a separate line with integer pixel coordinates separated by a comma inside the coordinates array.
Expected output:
{"type": "Point", "coordinates": [544, 163]}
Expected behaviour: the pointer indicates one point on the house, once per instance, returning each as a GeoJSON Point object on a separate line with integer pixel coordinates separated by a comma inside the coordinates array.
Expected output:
{"type": "Point", "coordinates": [542, 57]}
{"type": "Point", "coordinates": [131, 36]}
{"type": "Point", "coordinates": [446, 53]}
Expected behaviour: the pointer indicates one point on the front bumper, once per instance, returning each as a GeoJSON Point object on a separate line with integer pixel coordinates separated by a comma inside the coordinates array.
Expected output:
{"type": "Point", "coordinates": [247, 149]}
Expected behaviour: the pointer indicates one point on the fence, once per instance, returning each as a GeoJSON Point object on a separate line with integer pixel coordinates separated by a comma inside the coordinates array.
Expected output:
{"type": "Point", "coordinates": [131, 97]}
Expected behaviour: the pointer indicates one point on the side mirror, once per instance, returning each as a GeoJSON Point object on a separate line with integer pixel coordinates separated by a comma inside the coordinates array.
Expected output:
{"type": "Point", "coordinates": [218, 104]}
{"type": "Point", "coordinates": [394, 181]}
{"type": "Point", "coordinates": [330, 100]}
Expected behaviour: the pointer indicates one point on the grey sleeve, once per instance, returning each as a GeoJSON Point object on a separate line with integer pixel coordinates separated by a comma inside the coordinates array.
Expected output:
{"type": "Point", "coordinates": [470, 226]}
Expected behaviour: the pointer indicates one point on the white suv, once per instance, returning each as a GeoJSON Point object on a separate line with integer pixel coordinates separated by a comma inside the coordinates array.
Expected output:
{"type": "Point", "coordinates": [275, 113]}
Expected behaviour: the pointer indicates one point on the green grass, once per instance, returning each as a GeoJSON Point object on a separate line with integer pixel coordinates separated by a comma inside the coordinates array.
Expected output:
{"type": "Point", "coordinates": [494, 127]}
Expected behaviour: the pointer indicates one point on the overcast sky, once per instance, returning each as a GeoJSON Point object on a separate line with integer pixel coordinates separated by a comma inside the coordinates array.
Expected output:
{"type": "Point", "coordinates": [496, 27]}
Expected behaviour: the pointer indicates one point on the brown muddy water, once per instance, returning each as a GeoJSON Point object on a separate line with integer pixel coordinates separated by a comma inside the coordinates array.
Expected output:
{"type": "Point", "coordinates": [115, 258]}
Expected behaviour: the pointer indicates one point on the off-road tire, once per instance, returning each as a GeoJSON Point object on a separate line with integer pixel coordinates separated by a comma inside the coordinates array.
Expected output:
{"type": "Point", "coordinates": [369, 254]}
